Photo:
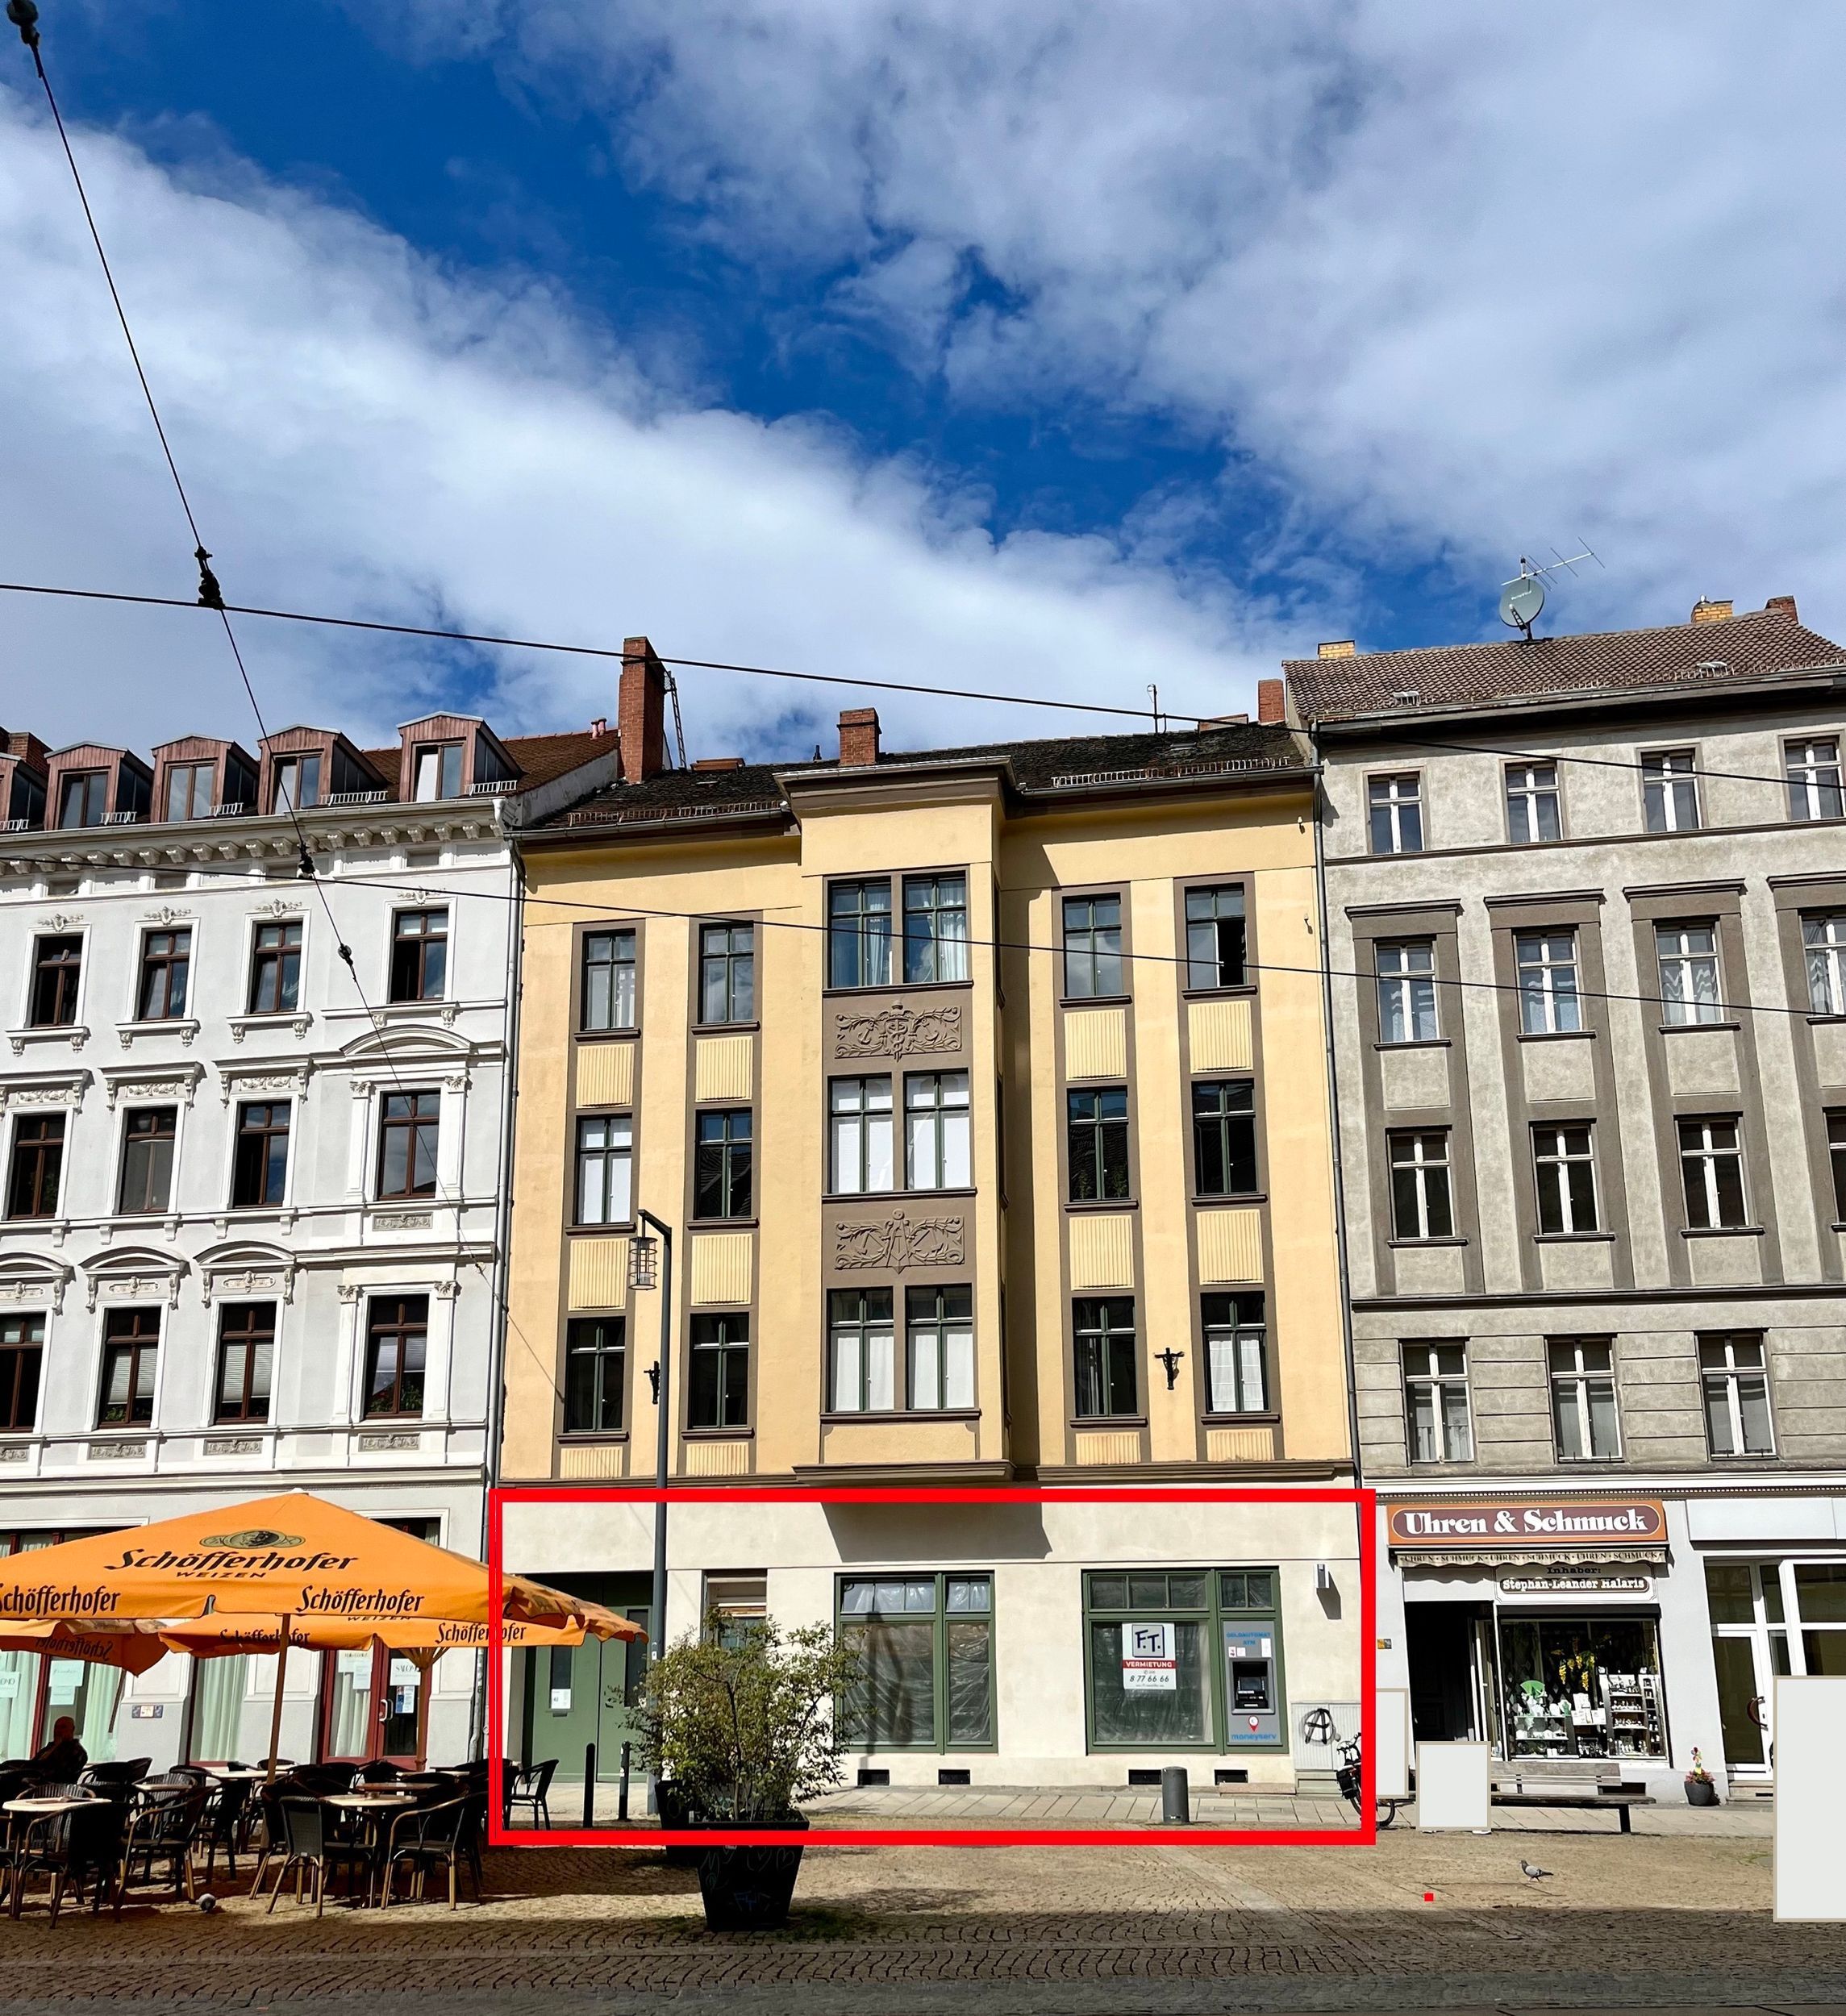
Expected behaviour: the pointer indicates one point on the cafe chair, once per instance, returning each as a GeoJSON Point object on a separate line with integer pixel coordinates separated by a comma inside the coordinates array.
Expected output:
{"type": "Point", "coordinates": [118, 1771]}
{"type": "Point", "coordinates": [377, 1772]}
{"type": "Point", "coordinates": [428, 1837]}
{"type": "Point", "coordinates": [528, 1787]}
{"type": "Point", "coordinates": [163, 1828]}
{"type": "Point", "coordinates": [310, 1850]}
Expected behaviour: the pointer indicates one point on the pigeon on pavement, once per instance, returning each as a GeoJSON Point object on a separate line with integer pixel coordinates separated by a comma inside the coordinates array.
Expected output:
{"type": "Point", "coordinates": [1532, 1870]}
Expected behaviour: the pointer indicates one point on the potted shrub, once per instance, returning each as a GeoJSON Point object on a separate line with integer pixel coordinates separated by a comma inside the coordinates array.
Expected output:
{"type": "Point", "coordinates": [1701, 1787]}
{"type": "Point", "coordinates": [743, 1731]}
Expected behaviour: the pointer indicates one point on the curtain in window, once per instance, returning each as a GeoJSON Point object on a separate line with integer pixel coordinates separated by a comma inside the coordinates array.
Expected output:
{"type": "Point", "coordinates": [218, 1689]}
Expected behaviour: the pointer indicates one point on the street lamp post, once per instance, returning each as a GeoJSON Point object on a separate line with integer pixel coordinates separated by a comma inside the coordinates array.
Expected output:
{"type": "Point", "coordinates": [642, 1273]}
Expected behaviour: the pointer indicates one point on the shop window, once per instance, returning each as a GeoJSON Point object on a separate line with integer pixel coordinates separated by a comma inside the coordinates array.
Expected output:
{"type": "Point", "coordinates": [1214, 938]}
{"type": "Point", "coordinates": [1670, 786]}
{"type": "Point", "coordinates": [1583, 1687]}
{"type": "Point", "coordinates": [608, 985]}
{"type": "Point", "coordinates": [1093, 946]}
{"type": "Point", "coordinates": [1406, 991]}
{"type": "Point", "coordinates": [1436, 1403]}
{"type": "Point", "coordinates": [1395, 806]}
{"type": "Point", "coordinates": [1583, 1399]}
{"type": "Point", "coordinates": [859, 1137]}
{"type": "Point", "coordinates": [926, 1648]}
{"type": "Point", "coordinates": [1735, 1375]}
{"type": "Point", "coordinates": [595, 1366]}
{"type": "Point", "coordinates": [936, 928]}
{"type": "Point", "coordinates": [1184, 1659]}
{"type": "Point", "coordinates": [719, 1396]}
{"type": "Point", "coordinates": [1750, 1650]}
{"type": "Point", "coordinates": [1550, 1003]}
{"type": "Point", "coordinates": [1533, 811]}
{"type": "Point", "coordinates": [727, 972]}
{"type": "Point", "coordinates": [734, 1606]}
{"type": "Point", "coordinates": [1224, 1136]}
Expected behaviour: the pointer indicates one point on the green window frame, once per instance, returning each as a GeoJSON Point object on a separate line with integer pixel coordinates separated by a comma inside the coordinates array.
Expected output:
{"type": "Point", "coordinates": [1207, 1599]}
{"type": "Point", "coordinates": [893, 1615]}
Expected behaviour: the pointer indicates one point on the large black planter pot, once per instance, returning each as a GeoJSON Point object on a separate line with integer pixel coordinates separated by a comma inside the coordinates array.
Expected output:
{"type": "Point", "coordinates": [674, 1812]}
{"type": "Point", "coordinates": [1701, 1792]}
{"type": "Point", "coordinates": [749, 1890]}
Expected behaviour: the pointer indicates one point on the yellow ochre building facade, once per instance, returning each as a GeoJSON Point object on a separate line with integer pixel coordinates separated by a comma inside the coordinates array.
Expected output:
{"type": "Point", "coordinates": [985, 1090]}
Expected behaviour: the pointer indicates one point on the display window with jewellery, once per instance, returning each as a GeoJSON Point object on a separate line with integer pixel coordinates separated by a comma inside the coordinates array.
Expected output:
{"type": "Point", "coordinates": [1582, 1686]}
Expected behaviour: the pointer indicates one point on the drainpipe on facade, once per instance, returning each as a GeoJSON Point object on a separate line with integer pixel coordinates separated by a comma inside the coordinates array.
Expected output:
{"type": "Point", "coordinates": [1333, 1114]}
{"type": "Point", "coordinates": [501, 1287]}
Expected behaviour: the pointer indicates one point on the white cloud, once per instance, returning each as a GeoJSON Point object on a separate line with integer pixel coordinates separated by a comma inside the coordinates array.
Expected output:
{"type": "Point", "coordinates": [362, 431]}
{"type": "Point", "coordinates": [1465, 279]}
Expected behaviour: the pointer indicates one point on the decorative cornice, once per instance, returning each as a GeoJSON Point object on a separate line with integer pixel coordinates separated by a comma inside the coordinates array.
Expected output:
{"type": "Point", "coordinates": [146, 1081]}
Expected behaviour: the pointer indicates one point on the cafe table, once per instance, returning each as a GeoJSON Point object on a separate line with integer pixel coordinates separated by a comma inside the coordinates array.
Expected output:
{"type": "Point", "coordinates": [375, 1808]}
{"type": "Point", "coordinates": [22, 1814]}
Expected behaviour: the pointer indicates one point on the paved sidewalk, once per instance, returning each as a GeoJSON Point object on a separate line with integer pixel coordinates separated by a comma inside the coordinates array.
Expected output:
{"type": "Point", "coordinates": [1439, 1921]}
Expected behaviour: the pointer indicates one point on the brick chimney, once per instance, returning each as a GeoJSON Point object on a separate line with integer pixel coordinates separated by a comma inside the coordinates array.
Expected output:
{"type": "Point", "coordinates": [641, 712]}
{"type": "Point", "coordinates": [1780, 606]}
{"type": "Point", "coordinates": [36, 754]}
{"type": "Point", "coordinates": [858, 737]}
{"type": "Point", "coordinates": [1271, 706]}
{"type": "Point", "coordinates": [1341, 648]}
{"type": "Point", "coordinates": [1705, 610]}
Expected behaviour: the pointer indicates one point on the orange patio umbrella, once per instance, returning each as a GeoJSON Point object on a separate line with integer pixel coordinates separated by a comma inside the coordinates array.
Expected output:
{"type": "Point", "coordinates": [133, 1647]}
{"type": "Point", "coordinates": [276, 1564]}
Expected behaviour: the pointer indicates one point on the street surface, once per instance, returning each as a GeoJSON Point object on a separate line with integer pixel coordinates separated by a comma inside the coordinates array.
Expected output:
{"type": "Point", "coordinates": [1662, 1919]}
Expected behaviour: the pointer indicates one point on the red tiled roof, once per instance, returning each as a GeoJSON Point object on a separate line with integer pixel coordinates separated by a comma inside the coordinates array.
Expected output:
{"type": "Point", "coordinates": [1749, 647]}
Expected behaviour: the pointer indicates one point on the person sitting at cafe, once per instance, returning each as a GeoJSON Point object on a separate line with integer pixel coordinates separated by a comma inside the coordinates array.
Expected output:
{"type": "Point", "coordinates": [63, 1757]}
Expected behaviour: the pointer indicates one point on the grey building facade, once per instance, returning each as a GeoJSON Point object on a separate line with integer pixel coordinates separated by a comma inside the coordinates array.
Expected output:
{"type": "Point", "coordinates": [1585, 914]}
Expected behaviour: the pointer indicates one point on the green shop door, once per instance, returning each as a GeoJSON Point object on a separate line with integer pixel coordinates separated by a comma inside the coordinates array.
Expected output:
{"type": "Point", "coordinates": [578, 1695]}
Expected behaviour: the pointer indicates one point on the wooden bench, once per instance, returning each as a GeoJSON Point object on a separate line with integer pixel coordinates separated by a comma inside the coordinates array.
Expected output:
{"type": "Point", "coordinates": [1576, 1792]}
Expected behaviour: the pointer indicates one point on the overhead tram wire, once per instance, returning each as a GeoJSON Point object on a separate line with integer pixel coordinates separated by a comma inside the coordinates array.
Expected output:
{"type": "Point", "coordinates": [607, 651]}
{"type": "Point", "coordinates": [629, 912]}
{"type": "Point", "coordinates": [24, 14]}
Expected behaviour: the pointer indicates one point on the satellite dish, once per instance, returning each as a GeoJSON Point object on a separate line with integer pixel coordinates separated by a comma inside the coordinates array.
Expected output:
{"type": "Point", "coordinates": [1520, 602]}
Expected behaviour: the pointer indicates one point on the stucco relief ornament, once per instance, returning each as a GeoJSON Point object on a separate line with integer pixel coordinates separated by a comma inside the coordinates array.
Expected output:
{"type": "Point", "coordinates": [899, 1242]}
{"type": "Point", "coordinates": [896, 1032]}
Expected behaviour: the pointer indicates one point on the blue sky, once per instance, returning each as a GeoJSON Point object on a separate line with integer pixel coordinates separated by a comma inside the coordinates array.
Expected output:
{"type": "Point", "coordinates": [1059, 350]}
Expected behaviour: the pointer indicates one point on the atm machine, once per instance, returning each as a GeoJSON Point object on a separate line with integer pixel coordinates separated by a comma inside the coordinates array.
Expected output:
{"type": "Point", "coordinates": [1251, 1692]}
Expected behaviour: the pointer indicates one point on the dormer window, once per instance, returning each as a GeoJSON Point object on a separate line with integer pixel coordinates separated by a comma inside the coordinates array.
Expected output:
{"type": "Point", "coordinates": [438, 774]}
{"type": "Point", "coordinates": [83, 798]}
{"type": "Point", "coordinates": [298, 781]}
{"type": "Point", "coordinates": [189, 790]}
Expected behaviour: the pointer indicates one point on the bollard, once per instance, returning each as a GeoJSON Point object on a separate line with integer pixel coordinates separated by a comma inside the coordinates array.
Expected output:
{"type": "Point", "coordinates": [1176, 1797]}
{"type": "Point", "coordinates": [589, 1785]}
{"type": "Point", "coordinates": [622, 1796]}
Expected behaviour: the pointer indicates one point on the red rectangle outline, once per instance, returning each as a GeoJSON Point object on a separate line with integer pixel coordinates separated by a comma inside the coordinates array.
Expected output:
{"type": "Point", "coordinates": [1364, 1501]}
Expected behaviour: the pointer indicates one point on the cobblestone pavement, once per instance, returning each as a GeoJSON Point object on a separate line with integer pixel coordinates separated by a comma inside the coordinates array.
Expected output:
{"type": "Point", "coordinates": [1441, 1921]}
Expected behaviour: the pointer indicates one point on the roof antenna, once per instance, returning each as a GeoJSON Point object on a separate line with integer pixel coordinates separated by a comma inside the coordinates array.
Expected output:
{"type": "Point", "coordinates": [1154, 695]}
{"type": "Point", "coordinates": [1522, 599]}
{"type": "Point", "coordinates": [679, 726]}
